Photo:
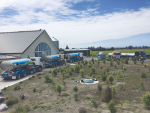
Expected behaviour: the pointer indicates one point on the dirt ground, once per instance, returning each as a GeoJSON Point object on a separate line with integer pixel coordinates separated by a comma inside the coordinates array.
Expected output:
{"type": "Point", "coordinates": [47, 100]}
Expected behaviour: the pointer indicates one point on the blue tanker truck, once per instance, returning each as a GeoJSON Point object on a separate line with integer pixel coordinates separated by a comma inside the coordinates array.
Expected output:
{"type": "Point", "coordinates": [54, 60]}
{"type": "Point", "coordinates": [15, 69]}
{"type": "Point", "coordinates": [74, 57]}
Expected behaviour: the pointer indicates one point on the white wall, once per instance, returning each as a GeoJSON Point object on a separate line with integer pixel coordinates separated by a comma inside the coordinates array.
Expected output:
{"type": "Point", "coordinates": [42, 38]}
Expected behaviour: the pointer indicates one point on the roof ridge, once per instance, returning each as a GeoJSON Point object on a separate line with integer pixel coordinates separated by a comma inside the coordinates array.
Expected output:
{"type": "Point", "coordinates": [21, 31]}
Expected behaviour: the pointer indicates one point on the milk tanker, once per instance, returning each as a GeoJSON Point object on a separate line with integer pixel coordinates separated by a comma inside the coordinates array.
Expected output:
{"type": "Point", "coordinates": [74, 57]}
{"type": "Point", "coordinates": [101, 55]}
{"type": "Point", "coordinates": [15, 69]}
{"type": "Point", "coordinates": [52, 60]}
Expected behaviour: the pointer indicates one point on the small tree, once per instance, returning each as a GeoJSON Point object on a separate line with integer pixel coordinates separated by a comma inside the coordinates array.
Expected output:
{"type": "Point", "coordinates": [75, 89]}
{"type": "Point", "coordinates": [72, 68]}
{"type": "Point", "coordinates": [94, 102]}
{"type": "Point", "coordinates": [111, 107]}
{"type": "Point", "coordinates": [58, 88]}
{"type": "Point", "coordinates": [82, 73]}
{"type": "Point", "coordinates": [85, 62]}
{"type": "Point", "coordinates": [92, 60]}
{"type": "Point", "coordinates": [111, 78]}
{"type": "Point", "coordinates": [99, 87]}
{"type": "Point", "coordinates": [54, 72]}
{"type": "Point", "coordinates": [82, 110]}
{"type": "Point", "coordinates": [103, 77]}
{"type": "Point", "coordinates": [93, 70]}
{"type": "Point", "coordinates": [126, 61]}
{"type": "Point", "coordinates": [146, 99]}
{"type": "Point", "coordinates": [107, 96]}
{"type": "Point", "coordinates": [76, 96]}
{"type": "Point", "coordinates": [77, 68]}
{"type": "Point", "coordinates": [114, 92]}
{"type": "Point", "coordinates": [104, 61]}
{"type": "Point", "coordinates": [70, 72]}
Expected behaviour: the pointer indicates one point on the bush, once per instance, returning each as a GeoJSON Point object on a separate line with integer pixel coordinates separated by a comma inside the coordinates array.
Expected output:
{"type": "Point", "coordinates": [70, 72]}
{"type": "Point", "coordinates": [48, 79]}
{"type": "Point", "coordinates": [111, 63]}
{"type": "Point", "coordinates": [104, 77]}
{"type": "Point", "coordinates": [111, 107]}
{"type": "Point", "coordinates": [89, 65]}
{"type": "Point", "coordinates": [77, 68]}
{"type": "Point", "coordinates": [143, 75]}
{"type": "Point", "coordinates": [118, 62]}
{"type": "Point", "coordinates": [107, 96]}
{"type": "Point", "coordinates": [76, 96]}
{"type": "Point", "coordinates": [94, 102]}
{"type": "Point", "coordinates": [124, 68]}
{"type": "Point", "coordinates": [12, 101]}
{"type": "Point", "coordinates": [22, 109]}
{"type": "Point", "coordinates": [99, 87]}
{"type": "Point", "coordinates": [134, 62]}
{"type": "Point", "coordinates": [138, 69]}
{"type": "Point", "coordinates": [93, 70]}
{"type": "Point", "coordinates": [82, 110]}
{"type": "Point", "coordinates": [104, 61]}
{"type": "Point", "coordinates": [111, 78]}
{"type": "Point", "coordinates": [107, 69]}
{"type": "Point", "coordinates": [82, 73]}
{"type": "Point", "coordinates": [142, 61]}
{"type": "Point", "coordinates": [134, 59]}
{"type": "Point", "coordinates": [34, 90]}
{"type": "Point", "coordinates": [86, 97]}
{"type": "Point", "coordinates": [75, 89]}
{"type": "Point", "coordinates": [58, 88]}
{"type": "Point", "coordinates": [126, 61]}
{"type": "Point", "coordinates": [85, 62]}
{"type": "Point", "coordinates": [115, 66]}
{"type": "Point", "coordinates": [146, 99]}
{"type": "Point", "coordinates": [54, 71]}
{"type": "Point", "coordinates": [114, 92]}
{"type": "Point", "coordinates": [72, 68]}
{"type": "Point", "coordinates": [92, 60]}
{"type": "Point", "coordinates": [65, 94]}
{"type": "Point", "coordinates": [142, 86]}
{"type": "Point", "coordinates": [17, 87]}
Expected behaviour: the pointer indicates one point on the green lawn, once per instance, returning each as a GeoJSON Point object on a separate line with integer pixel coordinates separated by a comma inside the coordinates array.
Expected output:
{"type": "Point", "coordinates": [147, 51]}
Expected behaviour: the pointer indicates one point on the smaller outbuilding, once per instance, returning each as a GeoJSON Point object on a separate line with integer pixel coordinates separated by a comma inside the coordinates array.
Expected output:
{"type": "Point", "coordinates": [86, 52]}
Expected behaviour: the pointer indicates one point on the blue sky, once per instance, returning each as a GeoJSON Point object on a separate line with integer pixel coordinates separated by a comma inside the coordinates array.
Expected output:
{"type": "Point", "coordinates": [81, 23]}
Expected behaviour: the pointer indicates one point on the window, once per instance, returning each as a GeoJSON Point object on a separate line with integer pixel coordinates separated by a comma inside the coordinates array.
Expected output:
{"type": "Point", "coordinates": [42, 48]}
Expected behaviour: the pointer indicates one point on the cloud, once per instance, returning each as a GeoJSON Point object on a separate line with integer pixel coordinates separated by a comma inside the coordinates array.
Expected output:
{"type": "Point", "coordinates": [73, 27]}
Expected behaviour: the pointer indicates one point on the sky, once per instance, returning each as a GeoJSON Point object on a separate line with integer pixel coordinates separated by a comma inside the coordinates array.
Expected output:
{"type": "Point", "coordinates": [81, 23]}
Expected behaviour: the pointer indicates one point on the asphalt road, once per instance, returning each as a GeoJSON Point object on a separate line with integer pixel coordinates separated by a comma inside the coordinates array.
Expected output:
{"type": "Point", "coordinates": [6, 83]}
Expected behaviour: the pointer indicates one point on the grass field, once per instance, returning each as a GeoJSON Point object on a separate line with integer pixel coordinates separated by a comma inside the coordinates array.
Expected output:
{"type": "Point", "coordinates": [147, 51]}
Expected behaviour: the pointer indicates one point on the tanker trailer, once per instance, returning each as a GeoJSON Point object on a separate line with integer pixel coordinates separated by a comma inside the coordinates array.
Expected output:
{"type": "Point", "coordinates": [101, 55]}
{"type": "Point", "coordinates": [73, 57]}
{"type": "Point", "coordinates": [15, 69]}
{"type": "Point", "coordinates": [51, 60]}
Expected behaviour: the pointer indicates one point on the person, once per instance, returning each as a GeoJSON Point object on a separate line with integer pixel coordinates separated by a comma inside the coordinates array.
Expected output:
{"type": "Point", "coordinates": [61, 61]}
{"type": "Point", "coordinates": [65, 62]}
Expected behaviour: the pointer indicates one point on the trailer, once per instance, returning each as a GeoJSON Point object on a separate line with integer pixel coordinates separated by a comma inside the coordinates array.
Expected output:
{"type": "Point", "coordinates": [101, 55]}
{"type": "Point", "coordinates": [74, 57]}
{"type": "Point", "coordinates": [139, 55]}
{"type": "Point", "coordinates": [52, 60]}
{"type": "Point", "coordinates": [15, 69]}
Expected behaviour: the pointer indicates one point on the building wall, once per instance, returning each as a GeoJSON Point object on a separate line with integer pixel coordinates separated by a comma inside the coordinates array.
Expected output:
{"type": "Point", "coordinates": [42, 38]}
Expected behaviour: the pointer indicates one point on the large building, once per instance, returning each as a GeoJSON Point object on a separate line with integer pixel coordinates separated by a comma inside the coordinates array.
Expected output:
{"type": "Point", "coordinates": [27, 43]}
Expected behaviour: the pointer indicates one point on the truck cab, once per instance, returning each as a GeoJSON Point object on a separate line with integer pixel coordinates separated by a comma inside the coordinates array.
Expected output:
{"type": "Point", "coordinates": [38, 63]}
{"type": "Point", "coordinates": [140, 55]}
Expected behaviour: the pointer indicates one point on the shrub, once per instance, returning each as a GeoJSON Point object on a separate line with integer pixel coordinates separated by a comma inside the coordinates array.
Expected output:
{"type": "Point", "coordinates": [138, 69]}
{"type": "Point", "coordinates": [22, 109]}
{"type": "Point", "coordinates": [72, 68]}
{"type": "Point", "coordinates": [111, 78]}
{"type": "Point", "coordinates": [142, 61]}
{"type": "Point", "coordinates": [134, 59]}
{"type": "Point", "coordinates": [107, 69]}
{"type": "Point", "coordinates": [111, 107]}
{"type": "Point", "coordinates": [34, 90]}
{"type": "Point", "coordinates": [99, 87]}
{"type": "Point", "coordinates": [54, 72]}
{"type": "Point", "coordinates": [118, 62]}
{"type": "Point", "coordinates": [89, 65]}
{"type": "Point", "coordinates": [82, 110]}
{"type": "Point", "coordinates": [80, 66]}
{"type": "Point", "coordinates": [126, 61]}
{"type": "Point", "coordinates": [104, 77]}
{"type": "Point", "coordinates": [134, 62]}
{"type": "Point", "coordinates": [107, 96]}
{"type": "Point", "coordinates": [145, 65]}
{"type": "Point", "coordinates": [146, 99]}
{"type": "Point", "coordinates": [76, 96]}
{"type": "Point", "coordinates": [108, 59]}
{"type": "Point", "coordinates": [82, 73]}
{"type": "Point", "coordinates": [104, 61]}
{"type": "Point", "coordinates": [86, 97]}
{"type": "Point", "coordinates": [85, 62]}
{"type": "Point", "coordinates": [124, 68]}
{"type": "Point", "coordinates": [92, 60]}
{"type": "Point", "coordinates": [12, 101]}
{"type": "Point", "coordinates": [93, 70]}
{"type": "Point", "coordinates": [114, 92]}
{"type": "Point", "coordinates": [94, 102]}
{"type": "Point", "coordinates": [48, 79]}
{"type": "Point", "coordinates": [77, 68]}
{"type": "Point", "coordinates": [17, 87]}
{"type": "Point", "coordinates": [58, 88]}
{"type": "Point", "coordinates": [142, 86]}
{"type": "Point", "coordinates": [75, 89]}
{"type": "Point", "coordinates": [65, 94]}
{"type": "Point", "coordinates": [115, 66]}
{"type": "Point", "coordinates": [122, 61]}
{"type": "Point", "coordinates": [143, 75]}
{"type": "Point", "coordinates": [70, 72]}
{"type": "Point", "coordinates": [111, 63]}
